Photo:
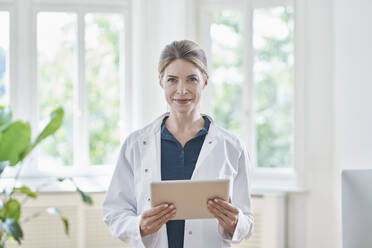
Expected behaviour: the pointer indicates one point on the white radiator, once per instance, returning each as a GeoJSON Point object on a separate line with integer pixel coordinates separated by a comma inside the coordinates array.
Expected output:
{"type": "Point", "coordinates": [87, 229]}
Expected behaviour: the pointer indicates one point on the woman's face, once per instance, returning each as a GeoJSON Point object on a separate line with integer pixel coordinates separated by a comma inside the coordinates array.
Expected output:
{"type": "Point", "coordinates": [183, 84]}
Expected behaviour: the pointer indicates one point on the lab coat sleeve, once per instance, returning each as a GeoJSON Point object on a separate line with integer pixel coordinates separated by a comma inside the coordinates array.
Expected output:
{"type": "Point", "coordinates": [119, 206]}
{"type": "Point", "coordinates": [241, 199]}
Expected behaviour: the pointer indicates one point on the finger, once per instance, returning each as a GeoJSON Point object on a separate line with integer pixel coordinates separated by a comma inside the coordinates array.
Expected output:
{"type": "Point", "coordinates": [227, 212]}
{"type": "Point", "coordinates": [219, 218]}
{"type": "Point", "coordinates": [226, 205]}
{"type": "Point", "coordinates": [230, 201]}
{"type": "Point", "coordinates": [154, 210]}
{"type": "Point", "coordinates": [160, 215]}
{"type": "Point", "coordinates": [150, 223]}
{"type": "Point", "coordinates": [164, 219]}
{"type": "Point", "coordinates": [221, 215]}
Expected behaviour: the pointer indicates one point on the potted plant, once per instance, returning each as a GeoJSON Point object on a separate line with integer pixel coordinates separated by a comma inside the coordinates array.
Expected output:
{"type": "Point", "coordinates": [15, 146]}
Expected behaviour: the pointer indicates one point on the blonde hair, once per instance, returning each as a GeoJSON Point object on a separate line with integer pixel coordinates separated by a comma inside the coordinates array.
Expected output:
{"type": "Point", "coordinates": [186, 50]}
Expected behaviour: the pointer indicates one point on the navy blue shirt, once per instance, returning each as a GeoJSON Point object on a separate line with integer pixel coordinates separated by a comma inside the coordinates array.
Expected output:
{"type": "Point", "coordinates": [178, 163]}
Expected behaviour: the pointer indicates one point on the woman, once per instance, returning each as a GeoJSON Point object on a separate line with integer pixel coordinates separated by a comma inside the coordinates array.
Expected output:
{"type": "Point", "coordinates": [181, 144]}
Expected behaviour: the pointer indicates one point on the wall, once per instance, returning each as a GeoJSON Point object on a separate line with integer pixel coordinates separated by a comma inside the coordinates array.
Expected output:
{"type": "Point", "coordinates": [352, 87]}
{"type": "Point", "coordinates": [312, 216]}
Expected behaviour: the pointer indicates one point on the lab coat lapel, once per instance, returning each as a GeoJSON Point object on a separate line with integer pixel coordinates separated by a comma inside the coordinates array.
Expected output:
{"type": "Point", "coordinates": [151, 156]}
{"type": "Point", "coordinates": [209, 143]}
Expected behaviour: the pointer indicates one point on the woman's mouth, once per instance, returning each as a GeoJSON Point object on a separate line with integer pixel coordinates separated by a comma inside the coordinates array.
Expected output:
{"type": "Point", "coordinates": [182, 101]}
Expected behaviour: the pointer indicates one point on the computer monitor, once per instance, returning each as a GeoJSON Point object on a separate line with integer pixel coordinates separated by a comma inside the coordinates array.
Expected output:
{"type": "Point", "coordinates": [357, 208]}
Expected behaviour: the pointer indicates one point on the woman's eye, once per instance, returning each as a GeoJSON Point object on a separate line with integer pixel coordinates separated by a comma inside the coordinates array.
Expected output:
{"type": "Point", "coordinates": [171, 80]}
{"type": "Point", "coordinates": [193, 79]}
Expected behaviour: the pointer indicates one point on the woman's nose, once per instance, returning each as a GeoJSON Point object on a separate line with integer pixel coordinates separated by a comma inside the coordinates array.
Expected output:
{"type": "Point", "coordinates": [181, 88]}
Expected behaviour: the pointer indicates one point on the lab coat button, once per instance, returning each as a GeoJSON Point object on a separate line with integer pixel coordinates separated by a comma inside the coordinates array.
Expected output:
{"type": "Point", "coordinates": [190, 232]}
{"type": "Point", "coordinates": [210, 142]}
{"type": "Point", "coordinates": [148, 199]}
{"type": "Point", "coordinates": [144, 142]}
{"type": "Point", "coordinates": [146, 170]}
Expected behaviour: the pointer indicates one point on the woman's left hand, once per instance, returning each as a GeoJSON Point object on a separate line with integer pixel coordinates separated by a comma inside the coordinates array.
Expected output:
{"type": "Point", "coordinates": [226, 214]}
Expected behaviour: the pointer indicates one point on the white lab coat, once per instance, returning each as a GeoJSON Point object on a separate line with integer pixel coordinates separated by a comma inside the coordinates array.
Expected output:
{"type": "Point", "coordinates": [222, 156]}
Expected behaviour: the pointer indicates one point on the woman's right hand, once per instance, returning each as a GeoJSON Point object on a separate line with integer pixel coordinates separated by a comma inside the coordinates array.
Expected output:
{"type": "Point", "coordinates": [153, 218]}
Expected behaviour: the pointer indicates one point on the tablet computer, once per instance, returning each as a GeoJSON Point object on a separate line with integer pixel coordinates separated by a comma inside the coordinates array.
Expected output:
{"type": "Point", "coordinates": [189, 197]}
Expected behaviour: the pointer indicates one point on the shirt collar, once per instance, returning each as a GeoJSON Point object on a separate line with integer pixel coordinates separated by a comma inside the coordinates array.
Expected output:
{"type": "Point", "coordinates": [165, 134]}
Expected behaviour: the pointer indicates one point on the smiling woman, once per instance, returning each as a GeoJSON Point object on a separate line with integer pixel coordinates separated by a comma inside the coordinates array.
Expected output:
{"type": "Point", "coordinates": [187, 145]}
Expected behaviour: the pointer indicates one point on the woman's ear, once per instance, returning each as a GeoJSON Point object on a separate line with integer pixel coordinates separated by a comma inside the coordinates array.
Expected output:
{"type": "Point", "coordinates": [161, 82]}
{"type": "Point", "coordinates": [205, 82]}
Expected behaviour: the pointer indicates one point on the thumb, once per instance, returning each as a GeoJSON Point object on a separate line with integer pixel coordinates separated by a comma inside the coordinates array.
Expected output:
{"type": "Point", "coordinates": [230, 201]}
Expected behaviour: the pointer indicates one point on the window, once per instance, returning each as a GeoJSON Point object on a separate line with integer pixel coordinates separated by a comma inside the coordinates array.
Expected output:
{"type": "Point", "coordinates": [102, 41]}
{"type": "Point", "coordinates": [273, 84]}
{"type": "Point", "coordinates": [57, 50]}
{"type": "Point", "coordinates": [79, 56]}
{"type": "Point", "coordinates": [226, 65]}
{"type": "Point", "coordinates": [251, 90]}
{"type": "Point", "coordinates": [4, 58]}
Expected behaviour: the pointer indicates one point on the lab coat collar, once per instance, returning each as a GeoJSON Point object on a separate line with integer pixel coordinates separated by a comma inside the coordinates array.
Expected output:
{"type": "Point", "coordinates": [155, 126]}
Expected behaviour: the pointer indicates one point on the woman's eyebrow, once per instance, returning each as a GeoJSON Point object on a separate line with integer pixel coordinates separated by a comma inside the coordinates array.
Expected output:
{"type": "Point", "coordinates": [192, 75]}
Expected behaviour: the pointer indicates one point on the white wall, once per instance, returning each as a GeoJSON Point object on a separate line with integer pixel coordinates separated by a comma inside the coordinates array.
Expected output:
{"type": "Point", "coordinates": [352, 87]}
{"type": "Point", "coordinates": [338, 115]}
{"type": "Point", "coordinates": [312, 216]}
{"type": "Point", "coordinates": [353, 83]}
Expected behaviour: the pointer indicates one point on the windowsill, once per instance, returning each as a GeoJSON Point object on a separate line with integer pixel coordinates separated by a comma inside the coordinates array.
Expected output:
{"type": "Point", "coordinates": [92, 184]}
{"type": "Point", "coordinates": [99, 184]}
{"type": "Point", "coordinates": [271, 190]}
{"type": "Point", "coordinates": [97, 178]}
{"type": "Point", "coordinates": [275, 181]}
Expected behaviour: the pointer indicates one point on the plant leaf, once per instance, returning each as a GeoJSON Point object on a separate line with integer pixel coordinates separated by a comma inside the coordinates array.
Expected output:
{"type": "Point", "coordinates": [15, 139]}
{"type": "Point", "coordinates": [11, 209]}
{"type": "Point", "coordinates": [56, 211]}
{"type": "Point", "coordinates": [65, 224]}
{"type": "Point", "coordinates": [3, 165]}
{"type": "Point", "coordinates": [26, 190]}
{"type": "Point", "coordinates": [13, 229]}
{"type": "Point", "coordinates": [5, 117]}
{"type": "Point", "coordinates": [85, 196]}
{"type": "Point", "coordinates": [55, 122]}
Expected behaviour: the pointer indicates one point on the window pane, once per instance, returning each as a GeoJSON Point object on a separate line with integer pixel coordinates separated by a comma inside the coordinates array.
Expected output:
{"type": "Point", "coordinates": [4, 58]}
{"type": "Point", "coordinates": [102, 75]}
{"type": "Point", "coordinates": [56, 44]}
{"type": "Point", "coordinates": [273, 78]}
{"type": "Point", "coordinates": [227, 69]}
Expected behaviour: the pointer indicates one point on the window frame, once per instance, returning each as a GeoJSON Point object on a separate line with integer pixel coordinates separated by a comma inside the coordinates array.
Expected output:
{"type": "Point", "coordinates": [264, 178]}
{"type": "Point", "coordinates": [24, 97]}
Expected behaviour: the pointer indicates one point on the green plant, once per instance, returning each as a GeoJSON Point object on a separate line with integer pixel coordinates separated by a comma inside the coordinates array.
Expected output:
{"type": "Point", "coordinates": [15, 145]}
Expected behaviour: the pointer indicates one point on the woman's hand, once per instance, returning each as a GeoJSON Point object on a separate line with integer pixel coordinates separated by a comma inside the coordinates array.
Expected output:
{"type": "Point", "coordinates": [153, 218]}
{"type": "Point", "coordinates": [226, 214]}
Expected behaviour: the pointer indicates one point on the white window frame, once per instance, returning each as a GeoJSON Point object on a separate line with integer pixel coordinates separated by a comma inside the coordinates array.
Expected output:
{"type": "Point", "coordinates": [23, 68]}
{"type": "Point", "coordinates": [286, 179]}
